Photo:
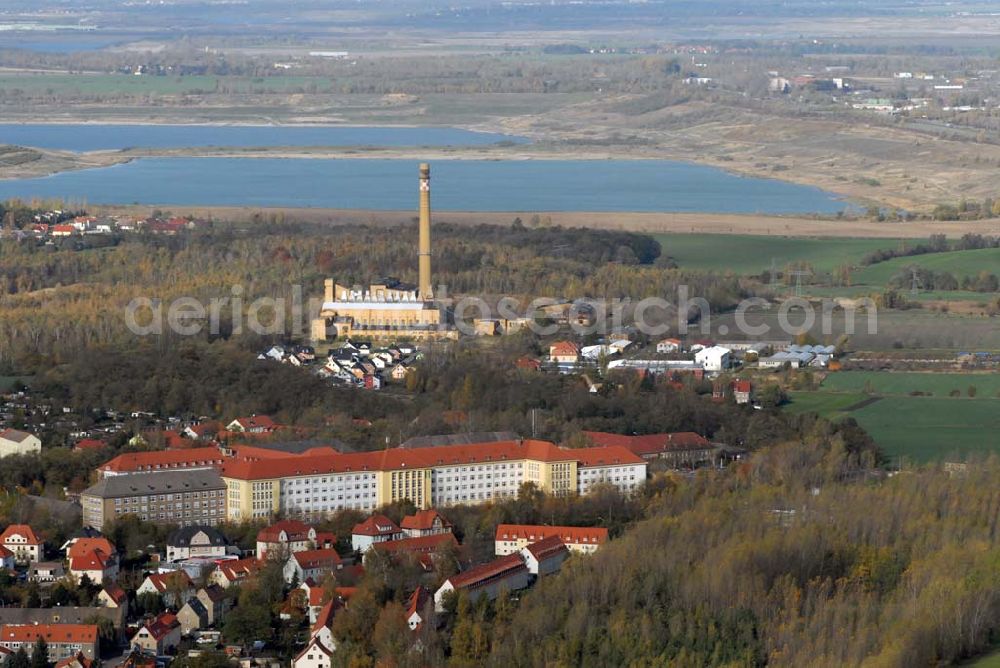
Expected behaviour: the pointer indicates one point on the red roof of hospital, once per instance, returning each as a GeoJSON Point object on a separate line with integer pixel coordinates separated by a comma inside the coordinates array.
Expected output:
{"type": "Point", "coordinates": [650, 443]}
{"type": "Point", "coordinates": [163, 459]}
{"type": "Point", "coordinates": [421, 544]}
{"type": "Point", "coordinates": [404, 458]}
{"type": "Point", "coordinates": [569, 535]}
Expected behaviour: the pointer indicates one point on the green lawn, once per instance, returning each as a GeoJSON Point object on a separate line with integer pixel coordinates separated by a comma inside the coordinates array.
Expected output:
{"type": "Point", "coordinates": [752, 254]}
{"type": "Point", "coordinates": [991, 660]}
{"type": "Point", "coordinates": [937, 384]}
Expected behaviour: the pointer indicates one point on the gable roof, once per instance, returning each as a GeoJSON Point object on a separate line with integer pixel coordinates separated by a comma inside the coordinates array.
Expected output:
{"type": "Point", "coordinates": [156, 460]}
{"type": "Point", "coordinates": [308, 559]}
{"type": "Point", "coordinates": [423, 520]}
{"type": "Point", "coordinates": [213, 592]}
{"type": "Point", "coordinates": [91, 561]}
{"type": "Point", "coordinates": [255, 422]}
{"type": "Point", "coordinates": [294, 530]}
{"type": "Point", "coordinates": [650, 443]}
{"type": "Point", "coordinates": [417, 602]}
{"type": "Point", "coordinates": [498, 568]}
{"type": "Point", "coordinates": [569, 535]}
{"type": "Point", "coordinates": [376, 525]}
{"type": "Point", "coordinates": [164, 623]}
{"type": "Point", "coordinates": [20, 530]}
{"type": "Point", "coordinates": [14, 436]}
{"type": "Point", "coordinates": [183, 536]}
{"type": "Point", "coordinates": [162, 581]}
{"type": "Point", "coordinates": [84, 546]}
{"type": "Point", "coordinates": [547, 548]}
{"type": "Point", "coordinates": [314, 643]}
{"type": "Point", "coordinates": [420, 544]}
{"type": "Point", "coordinates": [235, 570]}
{"type": "Point", "coordinates": [115, 593]}
{"type": "Point", "coordinates": [53, 633]}
{"type": "Point", "coordinates": [564, 348]}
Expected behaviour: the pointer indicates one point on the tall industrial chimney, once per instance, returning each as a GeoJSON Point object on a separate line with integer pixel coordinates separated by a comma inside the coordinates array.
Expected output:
{"type": "Point", "coordinates": [426, 293]}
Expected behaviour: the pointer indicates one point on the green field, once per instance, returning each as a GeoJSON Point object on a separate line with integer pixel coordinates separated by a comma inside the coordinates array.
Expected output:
{"type": "Point", "coordinates": [827, 404]}
{"type": "Point", "coordinates": [991, 660]}
{"type": "Point", "coordinates": [915, 428]}
{"type": "Point", "coordinates": [958, 263]}
{"type": "Point", "coordinates": [752, 254]}
{"type": "Point", "coordinates": [938, 384]}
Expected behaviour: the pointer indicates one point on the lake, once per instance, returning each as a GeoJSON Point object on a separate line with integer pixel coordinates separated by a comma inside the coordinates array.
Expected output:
{"type": "Point", "coordinates": [457, 185]}
{"type": "Point", "coordinates": [82, 138]}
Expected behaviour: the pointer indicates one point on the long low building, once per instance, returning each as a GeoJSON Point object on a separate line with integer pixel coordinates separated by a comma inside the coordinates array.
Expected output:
{"type": "Point", "coordinates": [511, 538]}
{"type": "Point", "coordinates": [176, 497]}
{"type": "Point", "coordinates": [63, 640]}
{"type": "Point", "coordinates": [314, 485]}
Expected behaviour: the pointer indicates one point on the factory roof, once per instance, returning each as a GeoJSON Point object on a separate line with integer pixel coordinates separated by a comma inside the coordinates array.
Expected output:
{"type": "Point", "coordinates": [156, 483]}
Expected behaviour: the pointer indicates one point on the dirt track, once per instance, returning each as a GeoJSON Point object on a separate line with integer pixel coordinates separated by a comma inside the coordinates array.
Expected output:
{"type": "Point", "coordinates": [677, 223]}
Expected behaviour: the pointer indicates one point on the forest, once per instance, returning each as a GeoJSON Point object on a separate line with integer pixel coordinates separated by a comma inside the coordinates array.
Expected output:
{"type": "Point", "coordinates": [58, 301]}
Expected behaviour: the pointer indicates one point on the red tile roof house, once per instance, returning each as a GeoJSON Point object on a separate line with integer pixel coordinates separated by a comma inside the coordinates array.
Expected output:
{"type": "Point", "coordinates": [287, 536]}
{"type": "Point", "coordinates": [255, 424]}
{"type": "Point", "coordinates": [23, 542]}
{"type": "Point", "coordinates": [545, 557]}
{"type": "Point", "coordinates": [425, 523]}
{"type": "Point", "coordinates": [315, 655]}
{"type": "Point", "coordinates": [505, 573]}
{"type": "Point", "coordinates": [742, 390]}
{"type": "Point", "coordinates": [683, 448]}
{"type": "Point", "coordinates": [112, 596]}
{"type": "Point", "coordinates": [98, 566]}
{"type": "Point", "coordinates": [158, 636]}
{"type": "Point", "coordinates": [63, 640]}
{"type": "Point", "coordinates": [416, 608]}
{"type": "Point", "coordinates": [564, 352]}
{"type": "Point", "coordinates": [230, 573]}
{"type": "Point", "coordinates": [423, 547]}
{"type": "Point", "coordinates": [511, 538]}
{"type": "Point", "coordinates": [315, 564]}
{"type": "Point", "coordinates": [174, 587]}
{"type": "Point", "coordinates": [375, 529]}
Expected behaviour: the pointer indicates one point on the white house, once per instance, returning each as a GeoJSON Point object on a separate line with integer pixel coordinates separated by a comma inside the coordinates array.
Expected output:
{"type": "Point", "coordinates": [315, 564]}
{"type": "Point", "coordinates": [22, 541]}
{"type": "Point", "coordinates": [6, 558]}
{"type": "Point", "coordinates": [713, 358]}
{"type": "Point", "coordinates": [546, 556]}
{"type": "Point", "coordinates": [14, 442]}
{"type": "Point", "coordinates": [195, 541]}
{"type": "Point", "coordinates": [375, 529]}
{"type": "Point", "coordinates": [315, 655]}
{"type": "Point", "coordinates": [668, 346]}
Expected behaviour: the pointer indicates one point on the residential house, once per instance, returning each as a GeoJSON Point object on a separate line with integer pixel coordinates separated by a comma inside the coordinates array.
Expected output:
{"type": "Point", "coordinates": [46, 571]}
{"type": "Point", "coordinates": [375, 529]}
{"type": "Point", "coordinates": [196, 541]}
{"type": "Point", "coordinates": [7, 560]}
{"type": "Point", "coordinates": [545, 557]}
{"type": "Point", "coordinates": [564, 352]}
{"type": "Point", "coordinates": [425, 523]}
{"type": "Point", "coordinates": [193, 616]}
{"type": "Point", "coordinates": [320, 628]}
{"type": "Point", "coordinates": [315, 655]}
{"type": "Point", "coordinates": [158, 636]}
{"type": "Point", "coordinates": [502, 574]}
{"type": "Point", "coordinates": [78, 661]}
{"type": "Point", "coordinates": [96, 565]}
{"type": "Point", "coordinates": [742, 389]}
{"type": "Point", "coordinates": [714, 358]}
{"type": "Point", "coordinates": [314, 564]}
{"type": "Point", "coordinates": [63, 640]}
{"type": "Point", "coordinates": [423, 548]}
{"type": "Point", "coordinates": [669, 346]}
{"type": "Point", "coordinates": [285, 537]}
{"type": "Point", "coordinates": [14, 442]}
{"type": "Point", "coordinates": [683, 449]}
{"type": "Point", "coordinates": [113, 596]}
{"type": "Point", "coordinates": [174, 587]}
{"type": "Point", "coordinates": [511, 538]}
{"type": "Point", "coordinates": [23, 542]}
{"type": "Point", "coordinates": [398, 372]}
{"type": "Point", "coordinates": [230, 573]}
{"type": "Point", "coordinates": [255, 424]}
{"type": "Point", "coordinates": [216, 603]}
{"type": "Point", "coordinates": [416, 607]}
